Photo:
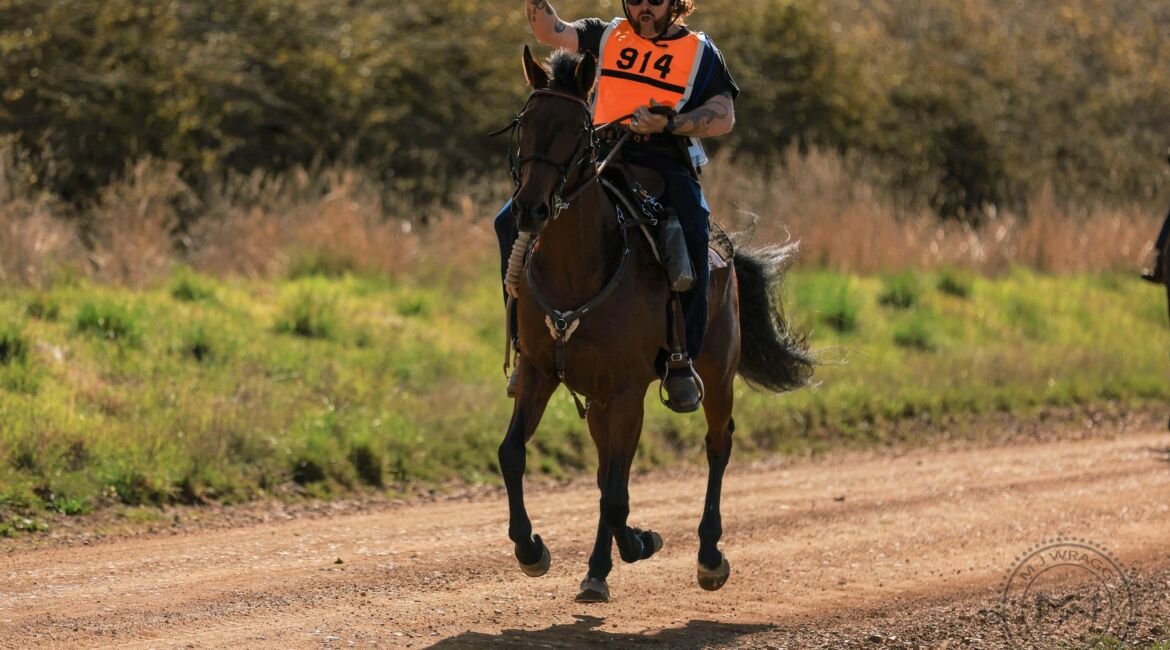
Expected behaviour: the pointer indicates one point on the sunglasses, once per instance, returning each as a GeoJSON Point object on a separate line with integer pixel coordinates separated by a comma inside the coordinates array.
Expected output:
{"type": "Point", "coordinates": [652, 3]}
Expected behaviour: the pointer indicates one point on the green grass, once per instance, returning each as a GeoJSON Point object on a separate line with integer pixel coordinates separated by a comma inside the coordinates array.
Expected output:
{"type": "Point", "coordinates": [327, 385]}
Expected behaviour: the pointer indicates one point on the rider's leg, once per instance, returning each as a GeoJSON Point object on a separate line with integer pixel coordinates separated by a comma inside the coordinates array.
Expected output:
{"type": "Point", "coordinates": [684, 194]}
{"type": "Point", "coordinates": [507, 233]}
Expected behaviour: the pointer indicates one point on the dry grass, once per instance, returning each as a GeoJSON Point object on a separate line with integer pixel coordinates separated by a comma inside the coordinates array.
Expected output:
{"type": "Point", "coordinates": [845, 222]}
{"type": "Point", "coordinates": [135, 222]}
{"type": "Point", "coordinates": [35, 242]}
{"type": "Point", "coordinates": [337, 221]}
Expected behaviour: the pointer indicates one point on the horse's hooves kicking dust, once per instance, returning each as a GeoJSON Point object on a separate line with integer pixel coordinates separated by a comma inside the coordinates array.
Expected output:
{"type": "Point", "coordinates": [540, 567]}
{"type": "Point", "coordinates": [713, 579]}
{"type": "Point", "coordinates": [593, 591]}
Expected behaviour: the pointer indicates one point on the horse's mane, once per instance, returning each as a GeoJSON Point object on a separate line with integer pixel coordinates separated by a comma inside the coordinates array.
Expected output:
{"type": "Point", "coordinates": [563, 65]}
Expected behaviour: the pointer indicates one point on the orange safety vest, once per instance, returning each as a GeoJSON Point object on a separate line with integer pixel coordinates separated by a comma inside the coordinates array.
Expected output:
{"type": "Point", "coordinates": [633, 71]}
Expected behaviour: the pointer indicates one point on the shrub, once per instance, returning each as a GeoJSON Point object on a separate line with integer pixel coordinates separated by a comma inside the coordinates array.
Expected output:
{"type": "Point", "coordinates": [841, 311]}
{"type": "Point", "coordinates": [368, 465]}
{"type": "Point", "coordinates": [900, 290]}
{"type": "Point", "coordinates": [955, 283]}
{"type": "Point", "coordinates": [189, 287]}
{"type": "Point", "coordinates": [197, 343]}
{"type": "Point", "coordinates": [109, 321]}
{"type": "Point", "coordinates": [13, 344]}
{"type": "Point", "coordinates": [306, 471]}
{"type": "Point", "coordinates": [311, 314]}
{"type": "Point", "coordinates": [43, 307]}
{"type": "Point", "coordinates": [915, 334]}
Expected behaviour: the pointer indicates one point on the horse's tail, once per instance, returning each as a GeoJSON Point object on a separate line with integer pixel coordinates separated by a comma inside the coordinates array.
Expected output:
{"type": "Point", "coordinates": [773, 357]}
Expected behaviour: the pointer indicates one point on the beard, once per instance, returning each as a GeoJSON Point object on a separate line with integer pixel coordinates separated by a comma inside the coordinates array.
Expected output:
{"type": "Point", "coordinates": [650, 28]}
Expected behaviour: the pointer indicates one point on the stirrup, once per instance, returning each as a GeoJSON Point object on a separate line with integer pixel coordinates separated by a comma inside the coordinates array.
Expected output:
{"type": "Point", "coordinates": [678, 361]}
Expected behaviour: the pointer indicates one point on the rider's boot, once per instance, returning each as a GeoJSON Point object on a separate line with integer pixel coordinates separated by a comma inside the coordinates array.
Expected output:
{"type": "Point", "coordinates": [683, 392]}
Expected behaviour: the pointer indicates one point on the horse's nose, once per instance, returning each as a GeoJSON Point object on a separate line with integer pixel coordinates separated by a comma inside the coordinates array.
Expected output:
{"type": "Point", "coordinates": [530, 218]}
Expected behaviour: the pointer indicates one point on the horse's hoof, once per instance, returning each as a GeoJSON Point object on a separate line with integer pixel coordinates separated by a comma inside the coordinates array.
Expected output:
{"type": "Point", "coordinates": [593, 591]}
{"type": "Point", "coordinates": [713, 579]}
{"type": "Point", "coordinates": [541, 566]}
{"type": "Point", "coordinates": [655, 542]}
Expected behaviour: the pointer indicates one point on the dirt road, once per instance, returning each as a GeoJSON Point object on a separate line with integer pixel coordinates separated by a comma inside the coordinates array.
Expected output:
{"type": "Point", "coordinates": [879, 550]}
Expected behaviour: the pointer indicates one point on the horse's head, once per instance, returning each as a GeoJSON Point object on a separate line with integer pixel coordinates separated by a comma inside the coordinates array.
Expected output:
{"type": "Point", "coordinates": [555, 135]}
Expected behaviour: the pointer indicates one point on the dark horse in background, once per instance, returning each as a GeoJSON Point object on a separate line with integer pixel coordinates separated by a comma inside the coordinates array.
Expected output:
{"type": "Point", "coordinates": [610, 358]}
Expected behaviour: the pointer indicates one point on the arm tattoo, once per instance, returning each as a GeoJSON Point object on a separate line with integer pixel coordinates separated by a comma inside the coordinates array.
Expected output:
{"type": "Point", "coordinates": [540, 5]}
{"type": "Point", "coordinates": [561, 26]}
{"type": "Point", "coordinates": [698, 121]}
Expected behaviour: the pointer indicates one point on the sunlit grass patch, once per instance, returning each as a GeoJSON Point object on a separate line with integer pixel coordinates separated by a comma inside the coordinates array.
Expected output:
{"type": "Point", "coordinates": [390, 384]}
{"type": "Point", "coordinates": [900, 290]}
{"type": "Point", "coordinates": [110, 321]}
{"type": "Point", "coordinates": [187, 286]}
{"type": "Point", "coordinates": [311, 312]}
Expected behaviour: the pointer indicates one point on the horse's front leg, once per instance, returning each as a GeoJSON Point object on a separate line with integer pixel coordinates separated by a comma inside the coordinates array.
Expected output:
{"type": "Point", "coordinates": [594, 588]}
{"type": "Point", "coordinates": [616, 447]}
{"type": "Point", "coordinates": [531, 400]}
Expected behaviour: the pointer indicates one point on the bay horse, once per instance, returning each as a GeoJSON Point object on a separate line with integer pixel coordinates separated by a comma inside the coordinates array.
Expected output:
{"type": "Point", "coordinates": [581, 253]}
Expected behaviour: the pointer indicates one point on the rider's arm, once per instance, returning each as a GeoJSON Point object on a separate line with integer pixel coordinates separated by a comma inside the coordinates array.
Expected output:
{"type": "Point", "coordinates": [715, 117]}
{"type": "Point", "coordinates": [548, 27]}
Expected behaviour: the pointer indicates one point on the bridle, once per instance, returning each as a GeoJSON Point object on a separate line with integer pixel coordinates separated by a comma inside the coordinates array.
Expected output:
{"type": "Point", "coordinates": [584, 154]}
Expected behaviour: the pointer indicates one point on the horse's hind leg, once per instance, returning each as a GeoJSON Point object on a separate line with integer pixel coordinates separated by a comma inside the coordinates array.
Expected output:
{"type": "Point", "coordinates": [713, 568]}
{"type": "Point", "coordinates": [529, 408]}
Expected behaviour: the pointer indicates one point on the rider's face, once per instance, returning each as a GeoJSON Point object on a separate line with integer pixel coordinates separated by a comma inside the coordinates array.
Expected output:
{"type": "Point", "coordinates": [649, 19]}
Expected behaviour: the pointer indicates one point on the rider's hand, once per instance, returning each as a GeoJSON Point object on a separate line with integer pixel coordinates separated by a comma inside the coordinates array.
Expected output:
{"type": "Point", "coordinates": [646, 122]}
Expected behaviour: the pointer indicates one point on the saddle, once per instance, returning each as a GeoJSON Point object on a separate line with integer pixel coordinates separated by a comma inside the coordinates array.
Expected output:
{"type": "Point", "coordinates": [635, 182]}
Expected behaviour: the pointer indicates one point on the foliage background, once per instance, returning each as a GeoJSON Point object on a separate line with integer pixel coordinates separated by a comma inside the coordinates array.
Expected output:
{"type": "Point", "coordinates": [966, 106]}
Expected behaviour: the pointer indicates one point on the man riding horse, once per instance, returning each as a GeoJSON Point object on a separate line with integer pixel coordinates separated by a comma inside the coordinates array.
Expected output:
{"type": "Point", "coordinates": [651, 60]}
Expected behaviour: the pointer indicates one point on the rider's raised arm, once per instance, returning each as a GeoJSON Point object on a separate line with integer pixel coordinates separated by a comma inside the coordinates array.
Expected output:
{"type": "Point", "coordinates": [548, 27]}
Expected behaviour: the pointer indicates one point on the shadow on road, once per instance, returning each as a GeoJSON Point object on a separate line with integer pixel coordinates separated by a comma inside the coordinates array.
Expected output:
{"type": "Point", "coordinates": [584, 634]}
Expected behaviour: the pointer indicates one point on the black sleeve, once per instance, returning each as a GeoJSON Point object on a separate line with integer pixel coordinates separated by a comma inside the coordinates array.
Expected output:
{"type": "Point", "coordinates": [589, 33]}
{"type": "Point", "coordinates": [721, 82]}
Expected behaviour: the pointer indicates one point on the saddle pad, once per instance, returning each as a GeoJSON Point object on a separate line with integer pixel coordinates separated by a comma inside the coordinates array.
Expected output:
{"type": "Point", "coordinates": [720, 244]}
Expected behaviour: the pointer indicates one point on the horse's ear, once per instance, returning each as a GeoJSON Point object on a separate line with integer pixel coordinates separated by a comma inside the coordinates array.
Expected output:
{"type": "Point", "coordinates": [536, 75]}
{"type": "Point", "coordinates": [586, 74]}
